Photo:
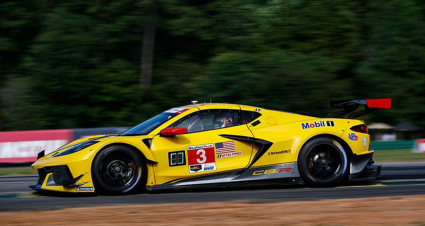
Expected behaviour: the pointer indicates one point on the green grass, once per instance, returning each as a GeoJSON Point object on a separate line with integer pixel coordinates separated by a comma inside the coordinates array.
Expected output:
{"type": "Point", "coordinates": [24, 170]}
{"type": "Point", "coordinates": [398, 156]}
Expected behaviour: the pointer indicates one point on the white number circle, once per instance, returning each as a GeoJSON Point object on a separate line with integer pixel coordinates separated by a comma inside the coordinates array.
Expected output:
{"type": "Point", "coordinates": [201, 153]}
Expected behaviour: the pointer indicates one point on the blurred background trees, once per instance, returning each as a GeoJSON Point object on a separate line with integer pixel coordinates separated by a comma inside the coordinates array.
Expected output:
{"type": "Point", "coordinates": [70, 64]}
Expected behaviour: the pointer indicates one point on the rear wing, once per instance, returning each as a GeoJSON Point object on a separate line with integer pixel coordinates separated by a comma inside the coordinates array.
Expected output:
{"type": "Point", "coordinates": [350, 106]}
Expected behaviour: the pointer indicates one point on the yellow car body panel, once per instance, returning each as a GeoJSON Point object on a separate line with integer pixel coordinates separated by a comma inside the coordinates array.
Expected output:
{"type": "Point", "coordinates": [361, 144]}
{"type": "Point", "coordinates": [161, 146]}
{"type": "Point", "coordinates": [80, 163]}
{"type": "Point", "coordinates": [286, 132]}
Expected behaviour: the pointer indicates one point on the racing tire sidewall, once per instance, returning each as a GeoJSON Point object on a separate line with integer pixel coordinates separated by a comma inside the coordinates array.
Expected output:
{"type": "Point", "coordinates": [102, 187]}
{"type": "Point", "coordinates": [339, 176]}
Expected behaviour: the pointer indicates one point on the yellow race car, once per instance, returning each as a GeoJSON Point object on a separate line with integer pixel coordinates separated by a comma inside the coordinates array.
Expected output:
{"type": "Point", "coordinates": [213, 144]}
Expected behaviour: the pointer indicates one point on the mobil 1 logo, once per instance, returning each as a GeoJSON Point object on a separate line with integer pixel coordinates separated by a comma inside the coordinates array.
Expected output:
{"type": "Point", "coordinates": [309, 125]}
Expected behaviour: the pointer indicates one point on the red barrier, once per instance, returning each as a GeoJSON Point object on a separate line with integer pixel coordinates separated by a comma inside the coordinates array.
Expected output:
{"type": "Point", "coordinates": [21, 146]}
{"type": "Point", "coordinates": [419, 146]}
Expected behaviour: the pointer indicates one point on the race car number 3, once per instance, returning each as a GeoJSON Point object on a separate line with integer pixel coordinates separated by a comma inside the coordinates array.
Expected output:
{"type": "Point", "coordinates": [201, 154]}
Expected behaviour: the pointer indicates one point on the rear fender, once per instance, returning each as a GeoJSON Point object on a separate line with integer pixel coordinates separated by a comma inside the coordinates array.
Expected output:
{"type": "Point", "coordinates": [288, 139]}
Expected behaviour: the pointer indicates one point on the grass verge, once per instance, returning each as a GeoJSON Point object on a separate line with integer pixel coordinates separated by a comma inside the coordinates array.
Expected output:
{"type": "Point", "coordinates": [23, 170]}
{"type": "Point", "coordinates": [398, 156]}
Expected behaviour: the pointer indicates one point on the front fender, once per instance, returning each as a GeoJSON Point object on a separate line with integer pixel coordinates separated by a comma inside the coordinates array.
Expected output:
{"type": "Point", "coordinates": [135, 142]}
{"type": "Point", "coordinates": [90, 152]}
{"type": "Point", "coordinates": [80, 162]}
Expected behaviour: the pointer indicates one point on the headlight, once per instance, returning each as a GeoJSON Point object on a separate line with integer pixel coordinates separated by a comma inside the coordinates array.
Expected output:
{"type": "Point", "coordinates": [77, 147]}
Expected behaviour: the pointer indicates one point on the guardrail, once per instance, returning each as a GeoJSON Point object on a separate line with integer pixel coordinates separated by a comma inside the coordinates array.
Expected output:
{"type": "Point", "coordinates": [22, 146]}
{"type": "Point", "coordinates": [392, 145]}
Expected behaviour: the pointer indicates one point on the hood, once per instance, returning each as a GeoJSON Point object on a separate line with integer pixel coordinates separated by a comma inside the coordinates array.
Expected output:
{"type": "Point", "coordinates": [76, 142]}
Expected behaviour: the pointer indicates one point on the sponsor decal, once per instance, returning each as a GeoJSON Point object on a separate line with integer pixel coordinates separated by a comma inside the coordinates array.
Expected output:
{"type": "Point", "coordinates": [202, 167]}
{"type": "Point", "coordinates": [201, 158]}
{"type": "Point", "coordinates": [176, 110]}
{"type": "Point", "coordinates": [308, 125]}
{"type": "Point", "coordinates": [176, 158]}
{"type": "Point", "coordinates": [195, 168]}
{"type": "Point", "coordinates": [353, 137]}
{"type": "Point", "coordinates": [84, 188]}
{"type": "Point", "coordinates": [208, 167]}
{"type": "Point", "coordinates": [364, 142]}
{"type": "Point", "coordinates": [226, 149]}
{"type": "Point", "coordinates": [203, 146]}
{"type": "Point", "coordinates": [271, 171]}
{"type": "Point", "coordinates": [280, 152]}
{"type": "Point", "coordinates": [225, 155]}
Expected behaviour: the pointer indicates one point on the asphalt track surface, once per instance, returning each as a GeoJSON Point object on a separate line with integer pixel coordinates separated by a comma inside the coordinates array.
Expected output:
{"type": "Point", "coordinates": [398, 179]}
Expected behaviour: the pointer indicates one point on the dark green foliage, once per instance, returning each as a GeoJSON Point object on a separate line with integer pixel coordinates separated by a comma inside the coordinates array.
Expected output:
{"type": "Point", "coordinates": [394, 63]}
{"type": "Point", "coordinates": [283, 80]}
{"type": "Point", "coordinates": [69, 64]}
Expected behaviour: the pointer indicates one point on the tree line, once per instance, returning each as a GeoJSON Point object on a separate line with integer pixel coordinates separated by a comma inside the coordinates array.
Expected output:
{"type": "Point", "coordinates": [75, 64]}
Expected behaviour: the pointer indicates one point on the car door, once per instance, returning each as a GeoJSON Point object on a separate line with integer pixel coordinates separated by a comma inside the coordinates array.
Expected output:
{"type": "Point", "coordinates": [203, 150]}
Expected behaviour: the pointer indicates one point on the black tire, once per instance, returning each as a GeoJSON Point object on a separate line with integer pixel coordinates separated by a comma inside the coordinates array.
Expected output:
{"type": "Point", "coordinates": [323, 162]}
{"type": "Point", "coordinates": [118, 169]}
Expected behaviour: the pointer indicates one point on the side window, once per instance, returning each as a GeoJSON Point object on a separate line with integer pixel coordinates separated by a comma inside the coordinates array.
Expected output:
{"type": "Point", "coordinates": [190, 122]}
{"type": "Point", "coordinates": [208, 120]}
{"type": "Point", "coordinates": [249, 116]}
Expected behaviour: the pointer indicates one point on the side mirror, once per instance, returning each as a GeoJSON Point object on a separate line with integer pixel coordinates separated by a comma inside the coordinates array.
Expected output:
{"type": "Point", "coordinates": [173, 131]}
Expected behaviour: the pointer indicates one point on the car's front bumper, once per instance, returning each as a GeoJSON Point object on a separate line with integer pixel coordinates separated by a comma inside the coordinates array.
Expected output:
{"type": "Point", "coordinates": [73, 176]}
{"type": "Point", "coordinates": [60, 179]}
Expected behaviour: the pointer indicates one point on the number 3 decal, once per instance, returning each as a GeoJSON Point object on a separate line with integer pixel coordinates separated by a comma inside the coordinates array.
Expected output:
{"type": "Point", "coordinates": [201, 153]}
{"type": "Point", "coordinates": [200, 156]}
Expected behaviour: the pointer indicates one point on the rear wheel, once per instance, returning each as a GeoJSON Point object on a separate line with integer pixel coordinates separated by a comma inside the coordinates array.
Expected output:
{"type": "Point", "coordinates": [118, 169]}
{"type": "Point", "coordinates": [323, 162]}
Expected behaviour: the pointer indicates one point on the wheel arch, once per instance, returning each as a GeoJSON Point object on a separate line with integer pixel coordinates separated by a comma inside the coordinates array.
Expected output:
{"type": "Point", "coordinates": [345, 146]}
{"type": "Point", "coordinates": [139, 151]}
{"type": "Point", "coordinates": [341, 141]}
{"type": "Point", "coordinates": [145, 161]}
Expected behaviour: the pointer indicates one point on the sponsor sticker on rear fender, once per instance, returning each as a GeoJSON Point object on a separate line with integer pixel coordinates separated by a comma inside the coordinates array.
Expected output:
{"type": "Point", "coordinates": [353, 137]}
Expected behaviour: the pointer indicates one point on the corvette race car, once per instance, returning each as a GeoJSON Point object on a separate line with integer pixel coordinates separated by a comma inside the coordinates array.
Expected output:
{"type": "Point", "coordinates": [211, 144]}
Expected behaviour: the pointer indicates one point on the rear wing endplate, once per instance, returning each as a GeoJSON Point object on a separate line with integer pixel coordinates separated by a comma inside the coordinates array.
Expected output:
{"type": "Point", "coordinates": [350, 106]}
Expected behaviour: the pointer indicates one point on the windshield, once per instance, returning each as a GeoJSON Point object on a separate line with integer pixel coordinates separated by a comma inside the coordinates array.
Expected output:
{"type": "Point", "coordinates": [149, 125]}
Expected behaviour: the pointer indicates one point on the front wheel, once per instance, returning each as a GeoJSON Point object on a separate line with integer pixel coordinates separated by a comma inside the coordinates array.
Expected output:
{"type": "Point", "coordinates": [118, 169]}
{"type": "Point", "coordinates": [323, 162]}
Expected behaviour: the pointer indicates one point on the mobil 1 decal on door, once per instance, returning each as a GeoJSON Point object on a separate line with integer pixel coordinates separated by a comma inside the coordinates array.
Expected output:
{"type": "Point", "coordinates": [201, 158]}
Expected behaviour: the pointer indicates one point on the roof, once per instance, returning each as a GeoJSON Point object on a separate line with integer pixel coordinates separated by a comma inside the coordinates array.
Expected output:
{"type": "Point", "coordinates": [213, 105]}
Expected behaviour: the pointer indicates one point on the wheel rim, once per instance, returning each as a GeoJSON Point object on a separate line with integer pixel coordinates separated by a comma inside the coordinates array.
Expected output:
{"type": "Point", "coordinates": [118, 170]}
{"type": "Point", "coordinates": [324, 162]}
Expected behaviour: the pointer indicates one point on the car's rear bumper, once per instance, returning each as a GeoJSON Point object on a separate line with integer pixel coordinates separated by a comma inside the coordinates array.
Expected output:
{"type": "Point", "coordinates": [371, 172]}
{"type": "Point", "coordinates": [363, 168]}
